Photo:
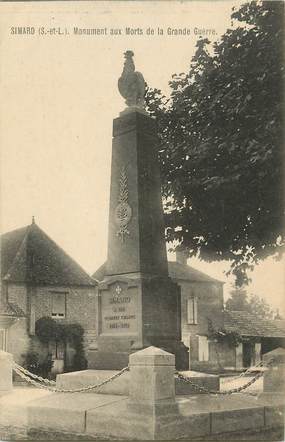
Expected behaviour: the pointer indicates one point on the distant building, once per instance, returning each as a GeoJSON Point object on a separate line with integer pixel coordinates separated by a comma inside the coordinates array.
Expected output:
{"type": "Point", "coordinates": [259, 336]}
{"type": "Point", "coordinates": [38, 279]}
{"type": "Point", "coordinates": [202, 310]}
{"type": "Point", "coordinates": [201, 303]}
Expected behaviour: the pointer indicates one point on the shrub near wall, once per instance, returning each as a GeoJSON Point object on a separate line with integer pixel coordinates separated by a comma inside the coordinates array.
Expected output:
{"type": "Point", "coordinates": [48, 330]}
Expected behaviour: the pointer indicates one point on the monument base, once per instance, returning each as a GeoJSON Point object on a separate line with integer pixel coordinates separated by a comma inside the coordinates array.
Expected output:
{"type": "Point", "coordinates": [135, 312]}
{"type": "Point", "coordinates": [116, 360]}
{"type": "Point", "coordinates": [103, 360]}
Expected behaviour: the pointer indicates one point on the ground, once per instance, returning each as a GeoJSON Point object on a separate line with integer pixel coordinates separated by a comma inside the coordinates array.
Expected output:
{"type": "Point", "coordinates": [26, 393]}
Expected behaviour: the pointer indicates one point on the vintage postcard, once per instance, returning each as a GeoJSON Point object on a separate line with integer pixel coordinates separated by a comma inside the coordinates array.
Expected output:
{"type": "Point", "coordinates": [142, 286]}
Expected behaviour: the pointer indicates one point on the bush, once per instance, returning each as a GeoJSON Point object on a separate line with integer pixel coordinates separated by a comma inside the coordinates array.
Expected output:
{"type": "Point", "coordinates": [74, 334]}
{"type": "Point", "coordinates": [33, 364]}
{"type": "Point", "coordinates": [47, 329]}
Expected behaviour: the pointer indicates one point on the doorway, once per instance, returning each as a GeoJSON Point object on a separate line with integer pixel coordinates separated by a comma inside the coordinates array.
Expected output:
{"type": "Point", "coordinates": [247, 353]}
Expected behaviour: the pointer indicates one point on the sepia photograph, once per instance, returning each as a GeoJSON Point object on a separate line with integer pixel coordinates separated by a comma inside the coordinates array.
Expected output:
{"type": "Point", "coordinates": [142, 220]}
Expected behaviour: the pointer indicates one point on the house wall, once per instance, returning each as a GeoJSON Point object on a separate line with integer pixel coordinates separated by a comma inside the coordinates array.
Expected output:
{"type": "Point", "coordinates": [223, 355]}
{"type": "Point", "coordinates": [80, 307]}
{"type": "Point", "coordinates": [209, 297]}
{"type": "Point", "coordinates": [210, 305]}
{"type": "Point", "coordinates": [36, 302]}
{"type": "Point", "coordinates": [18, 294]}
{"type": "Point", "coordinates": [18, 340]}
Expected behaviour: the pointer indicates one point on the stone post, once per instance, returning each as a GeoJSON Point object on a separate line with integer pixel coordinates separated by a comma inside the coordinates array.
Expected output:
{"type": "Point", "coordinates": [274, 377]}
{"type": "Point", "coordinates": [152, 377]}
{"type": "Point", "coordinates": [6, 364]}
{"type": "Point", "coordinates": [257, 353]}
{"type": "Point", "coordinates": [239, 356]}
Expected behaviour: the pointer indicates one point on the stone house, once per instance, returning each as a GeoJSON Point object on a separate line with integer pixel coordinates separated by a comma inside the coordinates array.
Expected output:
{"type": "Point", "coordinates": [202, 310]}
{"type": "Point", "coordinates": [38, 279]}
{"type": "Point", "coordinates": [259, 336]}
{"type": "Point", "coordinates": [201, 303]}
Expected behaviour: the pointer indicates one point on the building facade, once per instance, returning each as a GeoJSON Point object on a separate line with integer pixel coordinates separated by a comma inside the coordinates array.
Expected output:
{"type": "Point", "coordinates": [39, 280]}
{"type": "Point", "coordinates": [258, 337]}
{"type": "Point", "coordinates": [201, 304]}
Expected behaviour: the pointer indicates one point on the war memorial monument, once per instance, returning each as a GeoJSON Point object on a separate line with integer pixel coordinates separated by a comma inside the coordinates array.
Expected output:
{"type": "Point", "coordinates": [131, 389]}
{"type": "Point", "coordinates": [138, 304]}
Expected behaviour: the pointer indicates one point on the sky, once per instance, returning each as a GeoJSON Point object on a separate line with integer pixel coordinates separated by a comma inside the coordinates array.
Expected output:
{"type": "Point", "coordinates": [58, 99]}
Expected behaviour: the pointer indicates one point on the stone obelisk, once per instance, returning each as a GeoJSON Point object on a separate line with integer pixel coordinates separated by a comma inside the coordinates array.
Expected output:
{"type": "Point", "coordinates": [138, 304]}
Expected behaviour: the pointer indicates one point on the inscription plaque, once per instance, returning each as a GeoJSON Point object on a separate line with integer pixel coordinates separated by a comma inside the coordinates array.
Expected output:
{"type": "Point", "coordinates": [119, 310]}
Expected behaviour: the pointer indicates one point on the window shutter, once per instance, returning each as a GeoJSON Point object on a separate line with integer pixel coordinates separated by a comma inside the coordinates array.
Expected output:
{"type": "Point", "coordinates": [195, 311]}
{"type": "Point", "coordinates": [192, 311]}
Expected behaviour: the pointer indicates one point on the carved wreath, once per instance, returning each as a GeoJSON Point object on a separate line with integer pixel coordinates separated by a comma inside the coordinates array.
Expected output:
{"type": "Point", "coordinates": [123, 211]}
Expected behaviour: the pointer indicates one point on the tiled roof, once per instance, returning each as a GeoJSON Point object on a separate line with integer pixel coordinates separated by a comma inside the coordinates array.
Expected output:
{"type": "Point", "coordinates": [29, 255]}
{"type": "Point", "coordinates": [187, 273]}
{"type": "Point", "coordinates": [176, 270]}
{"type": "Point", "coordinates": [248, 324]}
{"type": "Point", "coordinates": [100, 272]}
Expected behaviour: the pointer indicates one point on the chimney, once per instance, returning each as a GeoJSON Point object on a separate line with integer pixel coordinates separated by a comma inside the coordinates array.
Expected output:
{"type": "Point", "coordinates": [181, 256]}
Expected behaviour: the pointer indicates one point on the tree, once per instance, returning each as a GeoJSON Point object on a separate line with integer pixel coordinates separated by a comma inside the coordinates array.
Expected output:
{"type": "Point", "coordinates": [260, 307]}
{"type": "Point", "coordinates": [221, 143]}
{"type": "Point", "coordinates": [239, 300]}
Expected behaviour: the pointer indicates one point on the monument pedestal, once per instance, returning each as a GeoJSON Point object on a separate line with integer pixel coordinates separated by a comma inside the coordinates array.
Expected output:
{"type": "Point", "coordinates": [135, 312]}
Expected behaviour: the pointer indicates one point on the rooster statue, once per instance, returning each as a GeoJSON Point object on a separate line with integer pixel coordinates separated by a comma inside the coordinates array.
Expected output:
{"type": "Point", "coordinates": [131, 84]}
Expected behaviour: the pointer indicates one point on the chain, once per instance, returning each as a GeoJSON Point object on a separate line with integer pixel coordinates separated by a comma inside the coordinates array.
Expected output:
{"type": "Point", "coordinates": [244, 373]}
{"type": "Point", "coordinates": [20, 372]}
{"type": "Point", "coordinates": [206, 390]}
{"type": "Point", "coordinates": [34, 376]}
{"type": "Point", "coordinates": [233, 390]}
{"type": "Point", "coordinates": [32, 381]}
{"type": "Point", "coordinates": [47, 384]}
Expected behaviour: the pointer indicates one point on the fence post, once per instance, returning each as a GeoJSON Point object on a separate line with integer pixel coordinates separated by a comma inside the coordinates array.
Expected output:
{"type": "Point", "coordinates": [274, 377]}
{"type": "Point", "coordinates": [6, 369]}
{"type": "Point", "coordinates": [151, 376]}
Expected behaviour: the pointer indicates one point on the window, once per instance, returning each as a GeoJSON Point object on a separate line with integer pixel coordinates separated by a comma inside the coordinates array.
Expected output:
{"type": "Point", "coordinates": [58, 305]}
{"type": "Point", "coordinates": [192, 311]}
{"type": "Point", "coordinates": [203, 348]}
